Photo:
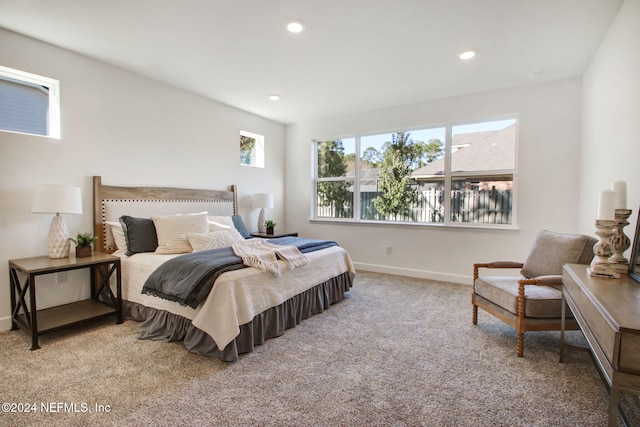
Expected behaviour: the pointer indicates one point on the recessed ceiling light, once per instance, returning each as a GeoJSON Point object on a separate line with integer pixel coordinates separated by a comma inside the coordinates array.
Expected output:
{"type": "Point", "coordinates": [274, 97]}
{"type": "Point", "coordinates": [467, 54]}
{"type": "Point", "coordinates": [295, 26]}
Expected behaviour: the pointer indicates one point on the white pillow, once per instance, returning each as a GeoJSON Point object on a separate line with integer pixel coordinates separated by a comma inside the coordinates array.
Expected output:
{"type": "Point", "coordinates": [172, 231]}
{"type": "Point", "coordinates": [214, 240]}
{"type": "Point", "coordinates": [224, 223]}
{"type": "Point", "coordinates": [117, 232]}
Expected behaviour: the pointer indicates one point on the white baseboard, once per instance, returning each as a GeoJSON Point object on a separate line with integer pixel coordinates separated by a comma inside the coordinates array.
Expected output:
{"type": "Point", "coordinates": [411, 272]}
{"type": "Point", "coordinates": [5, 323]}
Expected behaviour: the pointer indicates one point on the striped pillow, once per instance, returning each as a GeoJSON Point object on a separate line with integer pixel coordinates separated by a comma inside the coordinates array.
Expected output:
{"type": "Point", "coordinates": [172, 231]}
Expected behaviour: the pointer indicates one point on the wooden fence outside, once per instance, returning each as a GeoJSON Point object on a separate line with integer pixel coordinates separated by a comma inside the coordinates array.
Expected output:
{"type": "Point", "coordinates": [467, 206]}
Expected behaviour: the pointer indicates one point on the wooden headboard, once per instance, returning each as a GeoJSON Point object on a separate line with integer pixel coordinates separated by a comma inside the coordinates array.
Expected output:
{"type": "Point", "coordinates": [110, 202]}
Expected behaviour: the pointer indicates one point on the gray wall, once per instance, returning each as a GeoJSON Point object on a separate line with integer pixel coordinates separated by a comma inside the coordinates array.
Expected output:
{"type": "Point", "coordinates": [610, 148]}
{"type": "Point", "coordinates": [129, 130]}
{"type": "Point", "coordinates": [547, 182]}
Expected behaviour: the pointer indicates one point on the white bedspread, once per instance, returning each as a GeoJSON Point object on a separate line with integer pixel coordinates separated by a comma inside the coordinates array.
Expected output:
{"type": "Point", "coordinates": [238, 296]}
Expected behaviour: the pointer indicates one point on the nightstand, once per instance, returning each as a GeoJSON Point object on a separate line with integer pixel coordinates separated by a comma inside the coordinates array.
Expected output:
{"type": "Point", "coordinates": [37, 322]}
{"type": "Point", "coordinates": [274, 235]}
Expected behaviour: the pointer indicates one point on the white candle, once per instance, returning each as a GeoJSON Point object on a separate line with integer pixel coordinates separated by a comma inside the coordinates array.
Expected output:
{"type": "Point", "coordinates": [620, 187]}
{"type": "Point", "coordinates": [605, 207]}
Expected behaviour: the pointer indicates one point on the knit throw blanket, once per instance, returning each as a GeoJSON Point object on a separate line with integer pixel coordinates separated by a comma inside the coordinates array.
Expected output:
{"type": "Point", "coordinates": [264, 255]}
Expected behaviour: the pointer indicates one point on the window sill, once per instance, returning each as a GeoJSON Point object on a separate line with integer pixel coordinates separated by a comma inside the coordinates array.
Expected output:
{"type": "Point", "coordinates": [352, 222]}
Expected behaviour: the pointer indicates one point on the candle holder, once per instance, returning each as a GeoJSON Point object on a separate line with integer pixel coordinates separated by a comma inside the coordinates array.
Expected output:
{"type": "Point", "coordinates": [602, 250]}
{"type": "Point", "coordinates": [620, 242]}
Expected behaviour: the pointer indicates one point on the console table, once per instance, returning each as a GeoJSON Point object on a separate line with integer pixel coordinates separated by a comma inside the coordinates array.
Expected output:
{"type": "Point", "coordinates": [608, 312]}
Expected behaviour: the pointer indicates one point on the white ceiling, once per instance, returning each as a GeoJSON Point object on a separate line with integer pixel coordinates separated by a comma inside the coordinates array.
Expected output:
{"type": "Point", "coordinates": [354, 55]}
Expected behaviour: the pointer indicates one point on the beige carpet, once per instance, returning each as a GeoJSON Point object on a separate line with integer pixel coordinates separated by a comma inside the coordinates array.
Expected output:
{"type": "Point", "coordinates": [396, 352]}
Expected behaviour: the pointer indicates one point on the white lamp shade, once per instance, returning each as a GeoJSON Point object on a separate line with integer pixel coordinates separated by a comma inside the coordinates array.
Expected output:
{"type": "Point", "coordinates": [262, 200]}
{"type": "Point", "coordinates": [57, 199]}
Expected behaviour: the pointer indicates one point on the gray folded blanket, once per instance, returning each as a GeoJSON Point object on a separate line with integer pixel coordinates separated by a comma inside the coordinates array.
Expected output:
{"type": "Point", "coordinates": [188, 279]}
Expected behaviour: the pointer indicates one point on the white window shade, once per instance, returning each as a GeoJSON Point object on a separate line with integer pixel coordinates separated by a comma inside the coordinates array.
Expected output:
{"type": "Point", "coordinates": [29, 103]}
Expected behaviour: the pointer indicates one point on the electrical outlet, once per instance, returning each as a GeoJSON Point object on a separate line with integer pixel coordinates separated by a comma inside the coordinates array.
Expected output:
{"type": "Point", "coordinates": [61, 277]}
{"type": "Point", "coordinates": [389, 250]}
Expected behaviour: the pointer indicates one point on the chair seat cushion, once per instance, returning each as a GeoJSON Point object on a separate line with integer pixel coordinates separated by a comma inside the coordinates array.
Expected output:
{"type": "Point", "coordinates": [540, 301]}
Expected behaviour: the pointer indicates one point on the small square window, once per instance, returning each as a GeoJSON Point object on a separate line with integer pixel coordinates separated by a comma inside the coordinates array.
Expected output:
{"type": "Point", "coordinates": [29, 103]}
{"type": "Point", "coordinates": [251, 149]}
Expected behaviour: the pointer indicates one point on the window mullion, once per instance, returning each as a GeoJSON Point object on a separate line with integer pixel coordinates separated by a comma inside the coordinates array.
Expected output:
{"type": "Point", "coordinates": [314, 179]}
{"type": "Point", "coordinates": [448, 142]}
{"type": "Point", "coordinates": [356, 183]}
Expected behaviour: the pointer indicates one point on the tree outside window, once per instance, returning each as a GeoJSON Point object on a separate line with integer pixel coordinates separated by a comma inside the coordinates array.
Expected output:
{"type": "Point", "coordinates": [334, 190]}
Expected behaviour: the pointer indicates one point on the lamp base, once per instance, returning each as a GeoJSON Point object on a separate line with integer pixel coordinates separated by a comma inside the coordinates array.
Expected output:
{"type": "Point", "coordinates": [262, 226]}
{"type": "Point", "coordinates": [58, 238]}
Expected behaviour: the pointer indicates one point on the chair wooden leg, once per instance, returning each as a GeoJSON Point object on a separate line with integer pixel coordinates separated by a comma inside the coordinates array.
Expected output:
{"type": "Point", "coordinates": [475, 314]}
{"type": "Point", "coordinates": [520, 345]}
{"type": "Point", "coordinates": [521, 323]}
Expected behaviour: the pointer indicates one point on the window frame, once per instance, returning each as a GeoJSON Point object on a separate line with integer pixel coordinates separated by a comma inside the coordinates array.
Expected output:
{"type": "Point", "coordinates": [316, 179]}
{"type": "Point", "coordinates": [448, 178]}
{"type": "Point", "coordinates": [259, 149]}
{"type": "Point", "coordinates": [53, 86]}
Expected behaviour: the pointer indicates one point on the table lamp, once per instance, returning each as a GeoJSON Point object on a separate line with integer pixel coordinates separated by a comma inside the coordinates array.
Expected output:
{"type": "Point", "coordinates": [262, 201]}
{"type": "Point", "coordinates": [57, 199]}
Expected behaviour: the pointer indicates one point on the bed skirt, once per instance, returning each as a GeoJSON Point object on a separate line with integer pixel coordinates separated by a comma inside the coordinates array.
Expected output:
{"type": "Point", "coordinates": [164, 326]}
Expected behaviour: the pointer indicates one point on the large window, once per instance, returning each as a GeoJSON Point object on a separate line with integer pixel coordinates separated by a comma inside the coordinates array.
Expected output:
{"type": "Point", "coordinates": [452, 174]}
{"type": "Point", "coordinates": [29, 103]}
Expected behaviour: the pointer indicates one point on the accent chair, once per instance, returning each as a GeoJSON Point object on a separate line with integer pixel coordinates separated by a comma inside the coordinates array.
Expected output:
{"type": "Point", "coordinates": [531, 301]}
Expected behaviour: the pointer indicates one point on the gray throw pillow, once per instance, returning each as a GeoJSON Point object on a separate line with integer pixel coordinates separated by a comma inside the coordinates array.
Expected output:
{"type": "Point", "coordinates": [551, 251]}
{"type": "Point", "coordinates": [140, 234]}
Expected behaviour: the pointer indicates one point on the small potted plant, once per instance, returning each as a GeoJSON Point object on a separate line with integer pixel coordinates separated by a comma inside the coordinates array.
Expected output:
{"type": "Point", "coordinates": [270, 226]}
{"type": "Point", "coordinates": [83, 243]}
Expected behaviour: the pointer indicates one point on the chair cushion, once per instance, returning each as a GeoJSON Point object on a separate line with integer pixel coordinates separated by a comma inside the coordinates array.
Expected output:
{"type": "Point", "coordinates": [551, 250]}
{"type": "Point", "coordinates": [540, 301]}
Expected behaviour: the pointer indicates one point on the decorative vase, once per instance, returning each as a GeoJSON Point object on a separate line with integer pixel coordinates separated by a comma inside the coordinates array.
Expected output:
{"type": "Point", "coordinates": [83, 251]}
{"type": "Point", "coordinates": [269, 230]}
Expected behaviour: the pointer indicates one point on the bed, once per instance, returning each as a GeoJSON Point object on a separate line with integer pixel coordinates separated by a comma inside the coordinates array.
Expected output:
{"type": "Point", "coordinates": [245, 307]}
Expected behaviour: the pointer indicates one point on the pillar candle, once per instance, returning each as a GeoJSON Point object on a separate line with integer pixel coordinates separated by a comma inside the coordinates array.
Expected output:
{"type": "Point", "coordinates": [620, 187]}
{"type": "Point", "coordinates": [605, 207]}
